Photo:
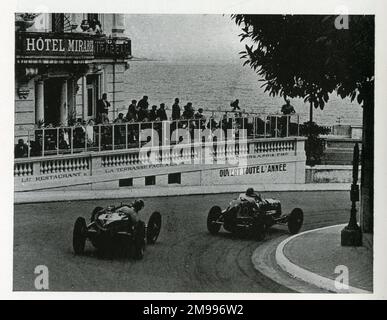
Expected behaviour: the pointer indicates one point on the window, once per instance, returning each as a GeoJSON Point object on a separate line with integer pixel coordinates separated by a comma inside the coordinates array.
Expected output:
{"type": "Point", "coordinates": [126, 182]}
{"type": "Point", "coordinates": [150, 180]}
{"type": "Point", "coordinates": [174, 178]}
{"type": "Point", "coordinates": [58, 22]}
{"type": "Point", "coordinates": [92, 84]}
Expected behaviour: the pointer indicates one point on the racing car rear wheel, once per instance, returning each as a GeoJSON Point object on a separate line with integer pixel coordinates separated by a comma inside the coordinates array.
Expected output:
{"type": "Point", "coordinates": [79, 235]}
{"type": "Point", "coordinates": [154, 227]}
{"type": "Point", "coordinates": [95, 212]}
{"type": "Point", "coordinates": [214, 214]}
{"type": "Point", "coordinates": [295, 220]}
{"type": "Point", "coordinates": [139, 240]}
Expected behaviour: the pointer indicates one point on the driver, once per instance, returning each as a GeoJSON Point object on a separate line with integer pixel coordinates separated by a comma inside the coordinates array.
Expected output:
{"type": "Point", "coordinates": [251, 197]}
{"type": "Point", "coordinates": [132, 211]}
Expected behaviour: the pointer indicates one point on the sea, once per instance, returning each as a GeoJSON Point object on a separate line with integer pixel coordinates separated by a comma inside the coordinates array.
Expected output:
{"type": "Point", "coordinates": [213, 86]}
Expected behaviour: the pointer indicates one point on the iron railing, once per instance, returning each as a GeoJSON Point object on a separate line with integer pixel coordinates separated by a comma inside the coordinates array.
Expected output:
{"type": "Point", "coordinates": [128, 135]}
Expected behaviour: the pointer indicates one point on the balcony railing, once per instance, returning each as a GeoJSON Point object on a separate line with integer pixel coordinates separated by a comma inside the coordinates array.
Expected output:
{"type": "Point", "coordinates": [71, 46]}
{"type": "Point", "coordinates": [132, 135]}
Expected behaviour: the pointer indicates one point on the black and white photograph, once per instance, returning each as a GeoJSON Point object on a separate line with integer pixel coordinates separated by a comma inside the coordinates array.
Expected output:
{"type": "Point", "coordinates": [201, 152]}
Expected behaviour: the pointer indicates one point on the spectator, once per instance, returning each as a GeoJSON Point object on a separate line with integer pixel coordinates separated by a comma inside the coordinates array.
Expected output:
{"type": "Point", "coordinates": [97, 26]}
{"type": "Point", "coordinates": [143, 103]}
{"type": "Point", "coordinates": [235, 105]}
{"type": "Point", "coordinates": [188, 111]}
{"type": "Point", "coordinates": [199, 114]}
{"type": "Point", "coordinates": [21, 149]}
{"type": "Point", "coordinates": [161, 114]}
{"type": "Point", "coordinates": [153, 113]}
{"type": "Point", "coordinates": [212, 124]}
{"type": "Point", "coordinates": [102, 108]}
{"type": "Point", "coordinates": [176, 110]}
{"type": "Point", "coordinates": [120, 118]}
{"type": "Point", "coordinates": [63, 145]}
{"type": "Point", "coordinates": [36, 148]}
{"type": "Point", "coordinates": [287, 108]}
{"type": "Point", "coordinates": [106, 133]}
{"type": "Point", "coordinates": [132, 111]}
{"type": "Point", "coordinates": [105, 119]}
{"type": "Point", "coordinates": [201, 118]}
{"type": "Point", "coordinates": [79, 134]}
{"type": "Point", "coordinates": [225, 122]}
{"type": "Point", "coordinates": [143, 113]}
{"type": "Point", "coordinates": [119, 130]}
{"type": "Point", "coordinates": [90, 131]}
{"type": "Point", "coordinates": [65, 136]}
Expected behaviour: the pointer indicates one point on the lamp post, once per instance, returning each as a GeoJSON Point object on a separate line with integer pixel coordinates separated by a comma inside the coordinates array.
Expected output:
{"type": "Point", "coordinates": [351, 235]}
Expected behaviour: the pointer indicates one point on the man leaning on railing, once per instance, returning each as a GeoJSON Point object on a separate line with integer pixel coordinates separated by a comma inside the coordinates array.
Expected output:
{"type": "Point", "coordinates": [21, 149]}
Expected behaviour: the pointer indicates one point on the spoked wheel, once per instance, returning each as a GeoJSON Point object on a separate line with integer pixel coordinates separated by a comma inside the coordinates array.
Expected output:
{"type": "Point", "coordinates": [79, 235]}
{"type": "Point", "coordinates": [212, 218]}
{"type": "Point", "coordinates": [154, 227]}
{"type": "Point", "coordinates": [295, 220]}
{"type": "Point", "coordinates": [139, 240]}
{"type": "Point", "coordinates": [95, 212]}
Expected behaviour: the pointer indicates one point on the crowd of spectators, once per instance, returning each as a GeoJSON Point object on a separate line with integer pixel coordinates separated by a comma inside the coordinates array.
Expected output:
{"type": "Point", "coordinates": [139, 115]}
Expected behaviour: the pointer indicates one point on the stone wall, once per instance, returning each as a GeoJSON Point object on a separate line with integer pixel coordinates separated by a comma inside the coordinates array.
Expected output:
{"type": "Point", "coordinates": [329, 174]}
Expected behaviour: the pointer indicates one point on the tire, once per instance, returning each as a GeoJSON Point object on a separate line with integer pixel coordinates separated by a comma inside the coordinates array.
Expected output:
{"type": "Point", "coordinates": [153, 228]}
{"type": "Point", "coordinates": [258, 229]}
{"type": "Point", "coordinates": [213, 216]}
{"type": "Point", "coordinates": [295, 220]}
{"type": "Point", "coordinates": [94, 213]}
{"type": "Point", "coordinates": [79, 235]}
{"type": "Point", "coordinates": [96, 244]}
{"type": "Point", "coordinates": [139, 240]}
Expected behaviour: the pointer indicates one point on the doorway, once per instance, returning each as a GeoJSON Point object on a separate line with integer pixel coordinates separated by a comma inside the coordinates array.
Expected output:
{"type": "Point", "coordinates": [52, 95]}
{"type": "Point", "coordinates": [92, 92]}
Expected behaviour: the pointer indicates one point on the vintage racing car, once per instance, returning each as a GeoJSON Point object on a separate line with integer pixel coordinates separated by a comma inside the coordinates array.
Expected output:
{"type": "Point", "coordinates": [111, 230]}
{"type": "Point", "coordinates": [253, 217]}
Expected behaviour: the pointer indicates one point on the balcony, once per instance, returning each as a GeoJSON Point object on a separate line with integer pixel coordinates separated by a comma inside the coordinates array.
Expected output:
{"type": "Point", "coordinates": [51, 47]}
{"type": "Point", "coordinates": [58, 141]}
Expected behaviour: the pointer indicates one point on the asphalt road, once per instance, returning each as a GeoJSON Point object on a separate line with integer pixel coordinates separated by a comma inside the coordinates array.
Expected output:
{"type": "Point", "coordinates": [185, 259]}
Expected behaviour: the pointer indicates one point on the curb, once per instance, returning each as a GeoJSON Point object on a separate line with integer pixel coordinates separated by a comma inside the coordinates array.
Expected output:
{"type": "Point", "coordinates": [308, 276]}
{"type": "Point", "coordinates": [73, 195]}
{"type": "Point", "coordinates": [264, 262]}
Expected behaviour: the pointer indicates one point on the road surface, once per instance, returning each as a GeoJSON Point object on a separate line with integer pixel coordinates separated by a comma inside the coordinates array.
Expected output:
{"type": "Point", "coordinates": [185, 259]}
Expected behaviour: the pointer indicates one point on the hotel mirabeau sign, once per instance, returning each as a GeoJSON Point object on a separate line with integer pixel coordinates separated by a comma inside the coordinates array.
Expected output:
{"type": "Point", "coordinates": [71, 45]}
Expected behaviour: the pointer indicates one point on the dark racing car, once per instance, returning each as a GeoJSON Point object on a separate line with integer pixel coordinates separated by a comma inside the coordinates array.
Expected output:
{"type": "Point", "coordinates": [250, 214]}
{"type": "Point", "coordinates": [117, 229]}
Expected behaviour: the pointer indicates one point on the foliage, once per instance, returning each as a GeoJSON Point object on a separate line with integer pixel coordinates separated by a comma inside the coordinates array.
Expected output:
{"type": "Point", "coordinates": [305, 56]}
{"type": "Point", "coordinates": [313, 129]}
{"type": "Point", "coordinates": [314, 145]}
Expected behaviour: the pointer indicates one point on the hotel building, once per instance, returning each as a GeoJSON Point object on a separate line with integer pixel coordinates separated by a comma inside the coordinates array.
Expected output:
{"type": "Point", "coordinates": [63, 65]}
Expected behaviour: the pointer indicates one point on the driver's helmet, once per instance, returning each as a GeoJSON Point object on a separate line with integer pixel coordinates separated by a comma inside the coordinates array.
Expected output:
{"type": "Point", "coordinates": [138, 204]}
{"type": "Point", "coordinates": [250, 192]}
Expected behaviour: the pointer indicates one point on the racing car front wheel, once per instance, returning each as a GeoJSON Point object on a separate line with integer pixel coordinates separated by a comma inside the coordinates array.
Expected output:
{"type": "Point", "coordinates": [139, 240]}
{"type": "Point", "coordinates": [212, 219]}
{"type": "Point", "coordinates": [295, 220]}
{"type": "Point", "coordinates": [154, 227]}
{"type": "Point", "coordinates": [95, 212]}
{"type": "Point", "coordinates": [79, 235]}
